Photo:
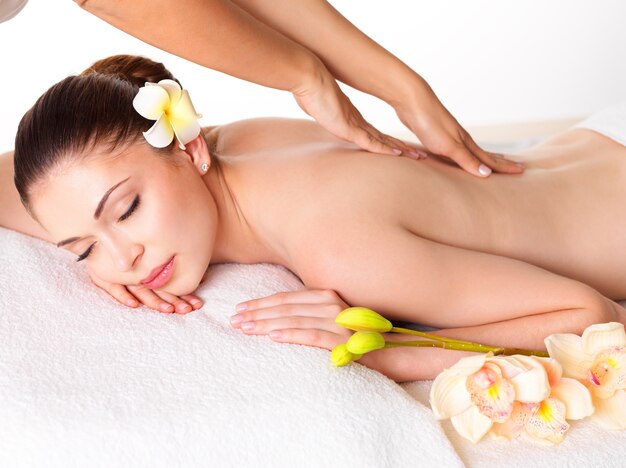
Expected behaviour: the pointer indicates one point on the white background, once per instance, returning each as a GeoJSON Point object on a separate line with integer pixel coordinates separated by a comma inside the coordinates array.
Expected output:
{"type": "Point", "coordinates": [489, 61]}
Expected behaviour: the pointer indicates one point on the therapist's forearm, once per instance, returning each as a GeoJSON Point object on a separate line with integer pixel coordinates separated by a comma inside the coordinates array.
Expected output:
{"type": "Point", "coordinates": [349, 54]}
{"type": "Point", "coordinates": [217, 34]}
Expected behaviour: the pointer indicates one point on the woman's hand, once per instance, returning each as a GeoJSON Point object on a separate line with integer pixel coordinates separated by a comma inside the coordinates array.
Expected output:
{"type": "Point", "coordinates": [308, 318]}
{"type": "Point", "coordinates": [422, 113]}
{"type": "Point", "coordinates": [133, 296]}
{"type": "Point", "coordinates": [330, 107]}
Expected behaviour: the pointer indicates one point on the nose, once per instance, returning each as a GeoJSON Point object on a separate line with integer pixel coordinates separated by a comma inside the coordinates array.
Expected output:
{"type": "Point", "coordinates": [124, 251]}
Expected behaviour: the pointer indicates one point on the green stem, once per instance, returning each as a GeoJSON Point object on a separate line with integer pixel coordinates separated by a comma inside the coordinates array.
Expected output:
{"type": "Point", "coordinates": [430, 336]}
{"type": "Point", "coordinates": [466, 346]}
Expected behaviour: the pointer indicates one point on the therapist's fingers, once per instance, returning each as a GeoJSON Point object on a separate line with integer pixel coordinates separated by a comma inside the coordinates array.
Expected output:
{"type": "Point", "coordinates": [495, 161]}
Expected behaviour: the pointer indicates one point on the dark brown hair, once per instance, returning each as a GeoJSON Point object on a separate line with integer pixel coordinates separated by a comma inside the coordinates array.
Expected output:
{"type": "Point", "coordinates": [82, 113]}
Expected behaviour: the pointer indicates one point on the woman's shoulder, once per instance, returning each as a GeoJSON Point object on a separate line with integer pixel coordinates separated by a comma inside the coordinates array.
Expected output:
{"type": "Point", "coordinates": [266, 133]}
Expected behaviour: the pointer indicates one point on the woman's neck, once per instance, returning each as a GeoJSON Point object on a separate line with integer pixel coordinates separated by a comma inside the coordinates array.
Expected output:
{"type": "Point", "coordinates": [237, 240]}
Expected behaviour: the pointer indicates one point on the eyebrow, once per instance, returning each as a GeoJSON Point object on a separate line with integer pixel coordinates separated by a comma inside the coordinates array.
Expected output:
{"type": "Point", "coordinates": [96, 214]}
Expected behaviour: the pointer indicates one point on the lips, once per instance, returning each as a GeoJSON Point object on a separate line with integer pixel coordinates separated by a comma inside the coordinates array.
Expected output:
{"type": "Point", "coordinates": [160, 275]}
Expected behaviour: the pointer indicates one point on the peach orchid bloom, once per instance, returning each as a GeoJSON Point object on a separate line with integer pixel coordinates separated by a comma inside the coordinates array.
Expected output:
{"type": "Point", "coordinates": [598, 359]}
{"type": "Point", "coordinates": [480, 391]}
{"type": "Point", "coordinates": [544, 422]}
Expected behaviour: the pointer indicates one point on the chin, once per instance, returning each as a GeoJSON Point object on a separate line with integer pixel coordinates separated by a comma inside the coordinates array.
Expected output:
{"type": "Point", "coordinates": [182, 286]}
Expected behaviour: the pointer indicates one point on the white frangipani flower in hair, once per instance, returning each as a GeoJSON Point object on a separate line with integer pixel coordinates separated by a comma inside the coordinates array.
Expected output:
{"type": "Point", "coordinates": [170, 105]}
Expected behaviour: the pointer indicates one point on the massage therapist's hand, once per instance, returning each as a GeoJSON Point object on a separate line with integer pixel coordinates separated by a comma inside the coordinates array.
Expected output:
{"type": "Point", "coordinates": [330, 107]}
{"type": "Point", "coordinates": [133, 296]}
{"type": "Point", "coordinates": [420, 111]}
{"type": "Point", "coordinates": [307, 318]}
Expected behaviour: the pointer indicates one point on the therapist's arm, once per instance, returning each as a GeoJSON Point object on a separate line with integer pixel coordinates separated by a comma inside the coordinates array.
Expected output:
{"type": "Point", "coordinates": [220, 35]}
{"type": "Point", "coordinates": [354, 58]}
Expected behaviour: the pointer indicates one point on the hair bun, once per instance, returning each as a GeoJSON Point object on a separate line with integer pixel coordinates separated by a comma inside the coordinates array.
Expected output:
{"type": "Point", "coordinates": [132, 68]}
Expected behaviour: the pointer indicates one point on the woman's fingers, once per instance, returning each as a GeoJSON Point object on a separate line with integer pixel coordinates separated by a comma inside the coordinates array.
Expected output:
{"type": "Point", "coordinates": [194, 300]}
{"type": "Point", "coordinates": [133, 296]}
{"type": "Point", "coordinates": [322, 332]}
{"type": "Point", "coordinates": [180, 305]}
{"type": "Point", "coordinates": [117, 291]}
{"type": "Point", "coordinates": [327, 311]}
{"type": "Point", "coordinates": [121, 294]}
{"type": "Point", "coordinates": [306, 296]}
{"type": "Point", "coordinates": [150, 299]}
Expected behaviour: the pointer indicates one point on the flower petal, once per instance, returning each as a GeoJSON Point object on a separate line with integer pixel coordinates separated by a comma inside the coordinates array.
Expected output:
{"type": "Point", "coordinates": [185, 130]}
{"type": "Point", "coordinates": [552, 367]}
{"type": "Point", "coordinates": [491, 394]}
{"type": "Point", "coordinates": [531, 386]}
{"type": "Point", "coordinates": [601, 336]}
{"type": "Point", "coordinates": [611, 412]}
{"type": "Point", "coordinates": [161, 133]}
{"type": "Point", "coordinates": [448, 396]}
{"type": "Point", "coordinates": [548, 422]}
{"type": "Point", "coordinates": [151, 102]}
{"type": "Point", "coordinates": [513, 426]}
{"type": "Point", "coordinates": [471, 424]}
{"type": "Point", "coordinates": [567, 349]}
{"type": "Point", "coordinates": [183, 108]}
{"type": "Point", "coordinates": [575, 396]}
{"type": "Point", "coordinates": [468, 365]}
{"type": "Point", "coordinates": [608, 373]}
{"type": "Point", "coordinates": [173, 90]}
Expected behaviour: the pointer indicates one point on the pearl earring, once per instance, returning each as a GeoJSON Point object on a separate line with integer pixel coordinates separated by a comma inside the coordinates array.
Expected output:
{"type": "Point", "coordinates": [204, 167]}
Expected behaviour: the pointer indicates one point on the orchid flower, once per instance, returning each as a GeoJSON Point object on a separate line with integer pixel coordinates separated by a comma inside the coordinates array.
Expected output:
{"type": "Point", "coordinates": [598, 359]}
{"type": "Point", "coordinates": [544, 422]}
{"type": "Point", "coordinates": [170, 105]}
{"type": "Point", "coordinates": [480, 391]}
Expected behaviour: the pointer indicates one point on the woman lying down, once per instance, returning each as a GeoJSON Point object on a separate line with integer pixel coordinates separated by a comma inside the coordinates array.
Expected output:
{"type": "Point", "coordinates": [504, 261]}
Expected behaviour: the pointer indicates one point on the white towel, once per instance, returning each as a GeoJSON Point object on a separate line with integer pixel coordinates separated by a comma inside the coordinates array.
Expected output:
{"type": "Point", "coordinates": [87, 382]}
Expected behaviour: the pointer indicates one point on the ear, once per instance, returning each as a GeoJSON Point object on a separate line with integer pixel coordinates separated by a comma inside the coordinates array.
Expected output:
{"type": "Point", "coordinates": [198, 152]}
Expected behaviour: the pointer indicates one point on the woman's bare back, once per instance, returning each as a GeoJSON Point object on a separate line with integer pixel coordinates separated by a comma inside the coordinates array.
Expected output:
{"type": "Point", "coordinates": [296, 182]}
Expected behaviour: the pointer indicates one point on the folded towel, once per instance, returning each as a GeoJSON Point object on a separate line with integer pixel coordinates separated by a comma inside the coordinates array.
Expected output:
{"type": "Point", "coordinates": [85, 381]}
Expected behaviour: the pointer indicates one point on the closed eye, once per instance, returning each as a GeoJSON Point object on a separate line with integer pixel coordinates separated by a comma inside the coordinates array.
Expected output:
{"type": "Point", "coordinates": [133, 207]}
{"type": "Point", "coordinates": [131, 210]}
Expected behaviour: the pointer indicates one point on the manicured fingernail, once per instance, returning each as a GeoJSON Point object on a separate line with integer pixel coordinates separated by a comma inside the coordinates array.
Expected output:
{"type": "Point", "coordinates": [165, 307]}
{"type": "Point", "coordinates": [184, 308]}
{"type": "Point", "coordinates": [397, 151]}
{"type": "Point", "coordinates": [235, 319]}
{"type": "Point", "coordinates": [241, 307]}
{"type": "Point", "coordinates": [275, 334]}
{"type": "Point", "coordinates": [247, 326]}
{"type": "Point", "coordinates": [484, 170]}
{"type": "Point", "coordinates": [196, 303]}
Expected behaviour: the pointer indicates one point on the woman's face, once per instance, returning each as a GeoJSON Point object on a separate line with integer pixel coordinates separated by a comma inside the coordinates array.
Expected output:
{"type": "Point", "coordinates": [132, 214]}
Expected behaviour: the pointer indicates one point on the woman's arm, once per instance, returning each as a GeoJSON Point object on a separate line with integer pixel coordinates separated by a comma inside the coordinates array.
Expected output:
{"type": "Point", "coordinates": [13, 215]}
{"type": "Point", "coordinates": [409, 278]}
{"type": "Point", "coordinates": [470, 295]}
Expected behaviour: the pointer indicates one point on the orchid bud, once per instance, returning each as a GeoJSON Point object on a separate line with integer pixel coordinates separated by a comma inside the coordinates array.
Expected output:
{"type": "Point", "coordinates": [340, 356]}
{"type": "Point", "coordinates": [363, 319]}
{"type": "Point", "coordinates": [363, 342]}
